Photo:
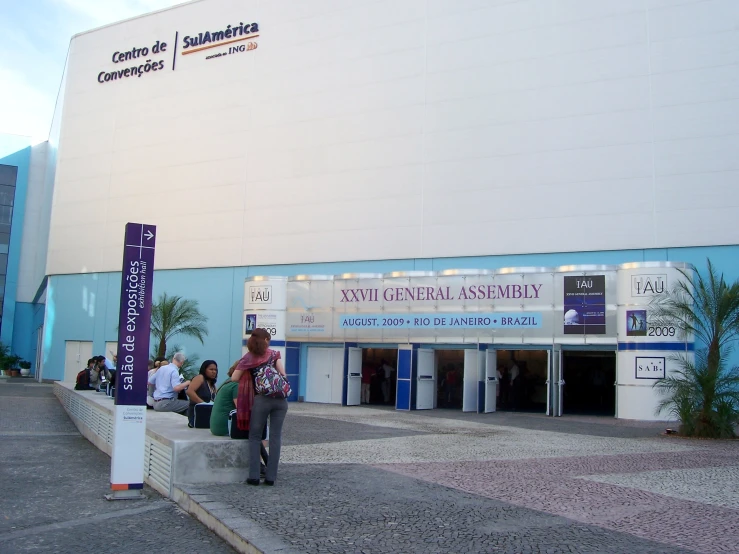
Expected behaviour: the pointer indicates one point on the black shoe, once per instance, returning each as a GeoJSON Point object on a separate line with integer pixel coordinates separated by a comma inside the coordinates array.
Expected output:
{"type": "Point", "coordinates": [268, 482]}
{"type": "Point", "coordinates": [262, 470]}
{"type": "Point", "coordinates": [254, 482]}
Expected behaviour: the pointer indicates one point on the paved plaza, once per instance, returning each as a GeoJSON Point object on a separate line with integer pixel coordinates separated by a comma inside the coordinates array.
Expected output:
{"type": "Point", "coordinates": [373, 480]}
{"type": "Point", "coordinates": [54, 482]}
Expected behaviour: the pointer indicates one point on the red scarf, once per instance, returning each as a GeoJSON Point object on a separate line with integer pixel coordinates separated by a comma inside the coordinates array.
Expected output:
{"type": "Point", "coordinates": [246, 385]}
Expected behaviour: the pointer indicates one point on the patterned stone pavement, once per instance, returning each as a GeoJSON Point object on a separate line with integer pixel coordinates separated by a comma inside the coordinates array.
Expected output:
{"type": "Point", "coordinates": [428, 483]}
{"type": "Point", "coordinates": [54, 482]}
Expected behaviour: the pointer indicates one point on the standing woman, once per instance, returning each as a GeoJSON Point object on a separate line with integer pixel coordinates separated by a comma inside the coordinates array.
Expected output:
{"type": "Point", "coordinates": [254, 409]}
{"type": "Point", "coordinates": [202, 388]}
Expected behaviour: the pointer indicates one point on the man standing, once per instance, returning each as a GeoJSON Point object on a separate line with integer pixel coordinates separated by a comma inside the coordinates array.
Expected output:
{"type": "Point", "coordinates": [387, 370]}
{"type": "Point", "coordinates": [515, 385]}
{"type": "Point", "coordinates": [168, 384]}
{"type": "Point", "coordinates": [366, 383]}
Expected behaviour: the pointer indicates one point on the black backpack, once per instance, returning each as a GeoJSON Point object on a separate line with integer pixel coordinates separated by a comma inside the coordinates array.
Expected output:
{"type": "Point", "coordinates": [83, 380]}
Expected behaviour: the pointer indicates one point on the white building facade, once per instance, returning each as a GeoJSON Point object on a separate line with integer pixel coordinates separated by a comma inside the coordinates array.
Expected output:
{"type": "Point", "coordinates": [421, 140]}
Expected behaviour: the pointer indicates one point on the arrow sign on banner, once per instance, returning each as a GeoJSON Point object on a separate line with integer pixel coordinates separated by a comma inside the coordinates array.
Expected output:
{"type": "Point", "coordinates": [134, 326]}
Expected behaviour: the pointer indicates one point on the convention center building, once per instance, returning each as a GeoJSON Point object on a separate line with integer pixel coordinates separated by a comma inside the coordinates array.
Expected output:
{"type": "Point", "coordinates": [466, 205]}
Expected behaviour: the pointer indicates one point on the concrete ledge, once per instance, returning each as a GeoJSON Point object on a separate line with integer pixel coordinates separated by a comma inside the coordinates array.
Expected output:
{"type": "Point", "coordinates": [175, 454]}
{"type": "Point", "coordinates": [225, 524]}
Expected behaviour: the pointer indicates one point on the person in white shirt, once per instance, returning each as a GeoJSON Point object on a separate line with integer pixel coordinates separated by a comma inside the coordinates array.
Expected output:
{"type": "Point", "coordinates": [159, 361]}
{"type": "Point", "coordinates": [168, 384]}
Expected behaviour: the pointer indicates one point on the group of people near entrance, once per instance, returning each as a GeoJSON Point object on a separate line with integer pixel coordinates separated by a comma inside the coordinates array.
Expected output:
{"type": "Point", "coordinates": [97, 374]}
{"type": "Point", "coordinates": [254, 412]}
{"type": "Point", "coordinates": [378, 383]}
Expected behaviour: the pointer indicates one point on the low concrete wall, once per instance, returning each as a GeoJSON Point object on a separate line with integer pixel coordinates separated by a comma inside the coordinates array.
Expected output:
{"type": "Point", "coordinates": [174, 453]}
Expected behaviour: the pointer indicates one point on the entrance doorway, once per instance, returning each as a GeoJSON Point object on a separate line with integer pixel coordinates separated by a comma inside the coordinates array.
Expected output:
{"type": "Point", "coordinates": [379, 375]}
{"type": "Point", "coordinates": [449, 379]}
{"type": "Point", "coordinates": [523, 380]}
{"type": "Point", "coordinates": [590, 379]}
{"type": "Point", "coordinates": [76, 354]}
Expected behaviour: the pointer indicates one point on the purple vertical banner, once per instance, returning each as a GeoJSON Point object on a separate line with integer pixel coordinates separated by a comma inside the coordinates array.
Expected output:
{"type": "Point", "coordinates": [134, 322]}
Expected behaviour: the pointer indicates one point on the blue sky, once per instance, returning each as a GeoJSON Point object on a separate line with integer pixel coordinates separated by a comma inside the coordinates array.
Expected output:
{"type": "Point", "coordinates": [35, 37]}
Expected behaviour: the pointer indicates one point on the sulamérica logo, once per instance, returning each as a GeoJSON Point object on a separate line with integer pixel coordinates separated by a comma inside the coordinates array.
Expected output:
{"type": "Point", "coordinates": [243, 31]}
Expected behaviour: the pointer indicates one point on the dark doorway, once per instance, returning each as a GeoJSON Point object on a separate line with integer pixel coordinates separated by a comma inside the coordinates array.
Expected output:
{"type": "Point", "coordinates": [590, 379]}
{"type": "Point", "coordinates": [380, 375]}
{"type": "Point", "coordinates": [523, 380]}
{"type": "Point", "coordinates": [449, 379]}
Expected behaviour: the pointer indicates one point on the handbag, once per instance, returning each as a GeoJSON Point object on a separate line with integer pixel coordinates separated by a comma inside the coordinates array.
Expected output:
{"type": "Point", "coordinates": [233, 429]}
{"type": "Point", "coordinates": [201, 415]}
{"type": "Point", "coordinates": [269, 382]}
{"type": "Point", "coordinates": [235, 433]}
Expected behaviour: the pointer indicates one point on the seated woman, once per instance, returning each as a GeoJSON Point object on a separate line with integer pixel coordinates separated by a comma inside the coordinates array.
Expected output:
{"type": "Point", "coordinates": [224, 403]}
{"type": "Point", "coordinates": [202, 388]}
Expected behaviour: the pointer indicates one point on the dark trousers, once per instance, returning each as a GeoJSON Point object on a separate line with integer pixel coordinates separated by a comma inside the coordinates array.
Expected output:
{"type": "Point", "coordinates": [276, 410]}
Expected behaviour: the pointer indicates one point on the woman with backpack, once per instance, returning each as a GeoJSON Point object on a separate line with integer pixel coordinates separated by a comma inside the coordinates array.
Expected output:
{"type": "Point", "coordinates": [253, 410]}
{"type": "Point", "coordinates": [223, 405]}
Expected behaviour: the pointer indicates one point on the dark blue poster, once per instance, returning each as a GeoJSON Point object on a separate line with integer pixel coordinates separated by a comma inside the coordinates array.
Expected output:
{"type": "Point", "coordinates": [636, 323]}
{"type": "Point", "coordinates": [585, 305]}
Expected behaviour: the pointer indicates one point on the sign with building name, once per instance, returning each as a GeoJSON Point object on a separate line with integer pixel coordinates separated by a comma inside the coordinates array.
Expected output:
{"type": "Point", "coordinates": [498, 320]}
{"type": "Point", "coordinates": [648, 367]}
{"type": "Point", "coordinates": [137, 60]}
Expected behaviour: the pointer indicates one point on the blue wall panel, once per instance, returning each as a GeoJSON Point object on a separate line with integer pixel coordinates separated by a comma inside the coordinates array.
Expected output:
{"type": "Point", "coordinates": [85, 307]}
{"type": "Point", "coordinates": [23, 341]}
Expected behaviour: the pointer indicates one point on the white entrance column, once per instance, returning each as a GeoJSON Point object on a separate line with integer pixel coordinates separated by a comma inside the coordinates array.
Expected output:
{"type": "Point", "coordinates": [646, 350]}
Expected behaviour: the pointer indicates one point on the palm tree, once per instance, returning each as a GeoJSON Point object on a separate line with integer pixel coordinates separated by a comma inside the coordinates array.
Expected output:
{"type": "Point", "coordinates": [174, 315]}
{"type": "Point", "coordinates": [703, 393]}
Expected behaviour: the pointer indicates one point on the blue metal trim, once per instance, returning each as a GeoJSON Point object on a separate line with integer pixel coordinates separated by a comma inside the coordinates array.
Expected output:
{"type": "Point", "coordinates": [656, 346]}
{"type": "Point", "coordinates": [414, 376]}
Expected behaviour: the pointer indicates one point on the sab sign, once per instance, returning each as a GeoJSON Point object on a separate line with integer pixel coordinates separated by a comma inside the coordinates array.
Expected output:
{"type": "Point", "coordinates": [648, 367]}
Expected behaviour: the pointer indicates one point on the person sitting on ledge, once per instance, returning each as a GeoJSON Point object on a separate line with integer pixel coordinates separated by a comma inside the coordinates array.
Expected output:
{"type": "Point", "coordinates": [224, 403]}
{"type": "Point", "coordinates": [159, 361]}
{"type": "Point", "coordinates": [94, 374]}
{"type": "Point", "coordinates": [202, 388]}
{"type": "Point", "coordinates": [168, 384]}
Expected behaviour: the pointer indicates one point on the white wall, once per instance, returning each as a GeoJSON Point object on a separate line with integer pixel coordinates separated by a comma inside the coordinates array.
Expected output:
{"type": "Point", "coordinates": [419, 128]}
